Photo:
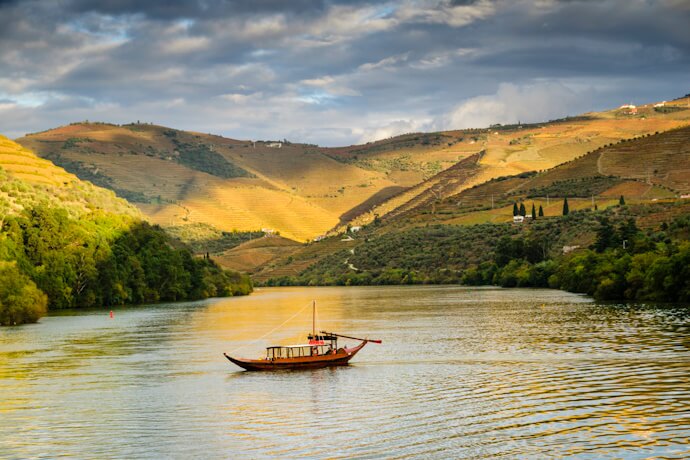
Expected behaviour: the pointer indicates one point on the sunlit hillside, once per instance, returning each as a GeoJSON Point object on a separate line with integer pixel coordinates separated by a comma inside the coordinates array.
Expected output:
{"type": "Point", "coordinates": [27, 180]}
{"type": "Point", "coordinates": [651, 169]}
{"type": "Point", "coordinates": [515, 149]}
{"type": "Point", "coordinates": [177, 177]}
{"type": "Point", "coordinates": [303, 191]}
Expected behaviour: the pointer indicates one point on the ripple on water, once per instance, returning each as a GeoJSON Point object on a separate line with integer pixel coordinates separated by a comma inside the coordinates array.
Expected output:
{"type": "Point", "coordinates": [462, 373]}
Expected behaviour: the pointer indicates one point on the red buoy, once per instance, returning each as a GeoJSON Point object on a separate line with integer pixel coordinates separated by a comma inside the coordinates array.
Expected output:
{"type": "Point", "coordinates": [111, 313]}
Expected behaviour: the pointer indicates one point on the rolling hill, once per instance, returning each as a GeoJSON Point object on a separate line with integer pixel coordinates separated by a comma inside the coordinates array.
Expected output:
{"type": "Point", "coordinates": [27, 180]}
{"type": "Point", "coordinates": [66, 243]}
{"type": "Point", "coordinates": [645, 170]}
{"type": "Point", "coordinates": [303, 191]}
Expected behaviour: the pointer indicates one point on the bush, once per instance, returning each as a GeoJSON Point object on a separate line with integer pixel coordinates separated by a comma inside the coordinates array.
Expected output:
{"type": "Point", "coordinates": [20, 300]}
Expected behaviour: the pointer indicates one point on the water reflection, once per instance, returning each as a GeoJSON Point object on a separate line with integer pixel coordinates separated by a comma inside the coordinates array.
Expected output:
{"type": "Point", "coordinates": [463, 373]}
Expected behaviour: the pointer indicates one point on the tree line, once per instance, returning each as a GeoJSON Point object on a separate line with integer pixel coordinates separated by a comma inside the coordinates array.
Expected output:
{"type": "Point", "coordinates": [52, 261]}
{"type": "Point", "coordinates": [623, 262]}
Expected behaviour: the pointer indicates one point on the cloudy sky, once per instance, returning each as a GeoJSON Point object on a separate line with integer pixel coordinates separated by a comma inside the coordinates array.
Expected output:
{"type": "Point", "coordinates": [333, 72]}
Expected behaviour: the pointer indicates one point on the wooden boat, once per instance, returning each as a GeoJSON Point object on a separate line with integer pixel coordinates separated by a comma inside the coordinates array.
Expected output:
{"type": "Point", "coordinates": [321, 351]}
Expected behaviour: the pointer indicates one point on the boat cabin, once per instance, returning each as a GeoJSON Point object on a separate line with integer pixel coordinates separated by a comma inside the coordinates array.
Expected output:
{"type": "Point", "coordinates": [318, 345]}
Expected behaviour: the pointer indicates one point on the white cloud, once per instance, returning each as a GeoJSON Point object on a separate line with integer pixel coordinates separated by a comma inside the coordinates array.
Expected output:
{"type": "Point", "coordinates": [387, 63]}
{"type": "Point", "coordinates": [186, 45]}
{"type": "Point", "coordinates": [534, 102]}
{"type": "Point", "coordinates": [330, 85]}
{"type": "Point", "coordinates": [239, 98]}
{"type": "Point", "coordinates": [435, 12]}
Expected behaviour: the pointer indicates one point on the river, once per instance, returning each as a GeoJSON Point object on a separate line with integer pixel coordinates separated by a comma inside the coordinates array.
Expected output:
{"type": "Point", "coordinates": [462, 373]}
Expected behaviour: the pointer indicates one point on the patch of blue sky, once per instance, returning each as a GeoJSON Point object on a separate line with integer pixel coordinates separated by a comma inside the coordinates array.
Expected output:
{"type": "Point", "coordinates": [108, 29]}
{"type": "Point", "coordinates": [25, 99]}
{"type": "Point", "coordinates": [318, 98]}
{"type": "Point", "coordinates": [384, 11]}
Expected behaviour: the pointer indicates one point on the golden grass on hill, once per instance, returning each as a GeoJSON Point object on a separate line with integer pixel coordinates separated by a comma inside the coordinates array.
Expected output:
{"type": "Point", "coordinates": [304, 191]}
{"type": "Point", "coordinates": [250, 256]}
{"type": "Point", "coordinates": [27, 181]}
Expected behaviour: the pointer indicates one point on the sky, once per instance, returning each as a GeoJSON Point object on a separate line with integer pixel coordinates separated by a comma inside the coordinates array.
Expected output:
{"type": "Point", "coordinates": [334, 72]}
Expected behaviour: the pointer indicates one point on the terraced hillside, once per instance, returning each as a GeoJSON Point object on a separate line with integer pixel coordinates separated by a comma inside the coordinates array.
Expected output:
{"type": "Point", "coordinates": [27, 180]}
{"type": "Point", "coordinates": [252, 255]}
{"type": "Point", "coordinates": [586, 181]}
{"type": "Point", "coordinates": [510, 150]}
{"type": "Point", "coordinates": [653, 167]}
{"type": "Point", "coordinates": [303, 191]}
{"type": "Point", "coordinates": [177, 178]}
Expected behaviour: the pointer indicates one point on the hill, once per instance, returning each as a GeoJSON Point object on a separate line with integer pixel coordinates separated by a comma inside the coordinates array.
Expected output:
{"type": "Point", "coordinates": [178, 178]}
{"type": "Point", "coordinates": [597, 178]}
{"type": "Point", "coordinates": [651, 167]}
{"type": "Point", "coordinates": [27, 180]}
{"type": "Point", "coordinates": [303, 191]}
{"type": "Point", "coordinates": [65, 244]}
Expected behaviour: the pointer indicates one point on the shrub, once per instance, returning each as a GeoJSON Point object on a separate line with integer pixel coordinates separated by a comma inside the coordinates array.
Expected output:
{"type": "Point", "coordinates": [20, 300]}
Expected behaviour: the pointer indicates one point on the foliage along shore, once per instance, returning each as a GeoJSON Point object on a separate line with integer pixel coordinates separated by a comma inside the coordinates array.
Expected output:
{"type": "Point", "coordinates": [621, 262]}
{"type": "Point", "coordinates": [49, 260]}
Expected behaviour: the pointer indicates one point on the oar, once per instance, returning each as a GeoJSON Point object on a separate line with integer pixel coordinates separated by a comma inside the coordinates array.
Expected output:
{"type": "Point", "coordinates": [353, 338]}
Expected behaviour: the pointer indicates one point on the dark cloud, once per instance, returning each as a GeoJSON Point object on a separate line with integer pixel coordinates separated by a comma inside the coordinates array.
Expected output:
{"type": "Point", "coordinates": [329, 71]}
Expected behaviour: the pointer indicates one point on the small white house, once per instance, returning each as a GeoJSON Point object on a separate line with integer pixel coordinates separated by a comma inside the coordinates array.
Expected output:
{"type": "Point", "coordinates": [518, 219]}
{"type": "Point", "coordinates": [355, 229]}
{"type": "Point", "coordinates": [275, 145]}
{"type": "Point", "coordinates": [630, 109]}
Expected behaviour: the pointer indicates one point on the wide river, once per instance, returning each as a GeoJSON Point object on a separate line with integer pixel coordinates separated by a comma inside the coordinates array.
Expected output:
{"type": "Point", "coordinates": [462, 373]}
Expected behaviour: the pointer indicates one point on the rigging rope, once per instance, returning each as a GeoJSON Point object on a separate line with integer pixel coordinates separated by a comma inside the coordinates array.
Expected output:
{"type": "Point", "coordinates": [272, 330]}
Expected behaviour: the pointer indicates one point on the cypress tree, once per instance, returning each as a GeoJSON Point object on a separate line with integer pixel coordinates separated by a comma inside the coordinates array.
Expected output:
{"type": "Point", "coordinates": [515, 209]}
{"type": "Point", "coordinates": [621, 201]}
{"type": "Point", "coordinates": [523, 211]}
{"type": "Point", "coordinates": [566, 209]}
{"type": "Point", "coordinates": [606, 237]}
{"type": "Point", "coordinates": [541, 211]}
{"type": "Point", "coordinates": [534, 212]}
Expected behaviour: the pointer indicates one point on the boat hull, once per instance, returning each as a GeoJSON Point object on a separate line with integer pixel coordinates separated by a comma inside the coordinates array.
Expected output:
{"type": "Point", "coordinates": [341, 358]}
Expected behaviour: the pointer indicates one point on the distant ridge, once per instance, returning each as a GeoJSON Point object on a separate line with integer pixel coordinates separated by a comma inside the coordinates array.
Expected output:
{"type": "Point", "coordinates": [303, 191]}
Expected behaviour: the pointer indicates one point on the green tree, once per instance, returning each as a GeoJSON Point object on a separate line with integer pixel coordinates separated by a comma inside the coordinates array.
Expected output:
{"type": "Point", "coordinates": [534, 212]}
{"type": "Point", "coordinates": [566, 209]}
{"type": "Point", "coordinates": [628, 231]}
{"type": "Point", "coordinates": [541, 211]}
{"type": "Point", "coordinates": [515, 209]}
{"type": "Point", "coordinates": [621, 201]}
{"type": "Point", "coordinates": [20, 300]}
{"type": "Point", "coordinates": [523, 211]}
{"type": "Point", "coordinates": [606, 236]}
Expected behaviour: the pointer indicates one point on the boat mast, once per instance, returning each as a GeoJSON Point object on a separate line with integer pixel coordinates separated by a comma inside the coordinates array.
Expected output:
{"type": "Point", "coordinates": [313, 319]}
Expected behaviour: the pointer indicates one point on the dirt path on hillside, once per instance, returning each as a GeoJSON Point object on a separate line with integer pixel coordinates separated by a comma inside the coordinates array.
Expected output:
{"type": "Point", "coordinates": [599, 168]}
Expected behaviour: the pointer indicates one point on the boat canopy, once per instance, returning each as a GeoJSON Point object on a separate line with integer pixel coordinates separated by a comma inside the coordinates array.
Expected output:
{"type": "Point", "coordinates": [295, 351]}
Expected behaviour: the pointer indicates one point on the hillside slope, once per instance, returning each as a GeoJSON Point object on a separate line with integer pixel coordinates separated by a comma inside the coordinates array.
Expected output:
{"type": "Point", "coordinates": [302, 191]}
{"type": "Point", "coordinates": [586, 181]}
{"type": "Point", "coordinates": [65, 243]}
{"type": "Point", "coordinates": [176, 177]}
{"type": "Point", "coordinates": [27, 180]}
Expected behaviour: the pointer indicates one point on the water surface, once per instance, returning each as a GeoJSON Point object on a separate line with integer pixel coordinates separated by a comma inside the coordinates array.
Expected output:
{"type": "Point", "coordinates": [462, 373]}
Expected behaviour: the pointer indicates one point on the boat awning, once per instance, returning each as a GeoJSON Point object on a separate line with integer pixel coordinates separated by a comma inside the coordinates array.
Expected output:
{"type": "Point", "coordinates": [296, 346]}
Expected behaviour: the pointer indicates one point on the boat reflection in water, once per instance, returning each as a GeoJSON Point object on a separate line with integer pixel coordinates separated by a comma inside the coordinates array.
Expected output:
{"type": "Point", "coordinates": [321, 351]}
